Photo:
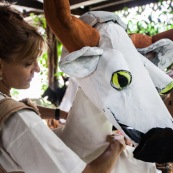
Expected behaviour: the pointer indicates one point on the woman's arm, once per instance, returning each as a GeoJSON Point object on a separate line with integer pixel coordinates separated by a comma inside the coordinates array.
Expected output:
{"type": "Point", "coordinates": [50, 113]}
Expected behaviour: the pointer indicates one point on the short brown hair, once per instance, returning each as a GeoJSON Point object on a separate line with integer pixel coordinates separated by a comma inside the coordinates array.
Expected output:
{"type": "Point", "coordinates": [18, 36]}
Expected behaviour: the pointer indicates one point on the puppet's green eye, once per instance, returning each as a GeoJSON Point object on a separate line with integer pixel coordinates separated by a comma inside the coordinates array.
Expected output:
{"type": "Point", "coordinates": [167, 89]}
{"type": "Point", "coordinates": [121, 79]}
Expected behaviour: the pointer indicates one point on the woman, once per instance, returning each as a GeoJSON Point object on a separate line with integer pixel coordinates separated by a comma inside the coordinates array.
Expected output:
{"type": "Point", "coordinates": [27, 144]}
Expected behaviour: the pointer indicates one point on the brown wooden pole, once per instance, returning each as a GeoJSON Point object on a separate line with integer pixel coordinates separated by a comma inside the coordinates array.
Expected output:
{"type": "Point", "coordinates": [166, 34]}
{"type": "Point", "coordinates": [52, 57]}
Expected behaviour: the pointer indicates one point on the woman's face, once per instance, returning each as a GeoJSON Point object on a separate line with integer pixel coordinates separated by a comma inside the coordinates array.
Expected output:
{"type": "Point", "coordinates": [19, 74]}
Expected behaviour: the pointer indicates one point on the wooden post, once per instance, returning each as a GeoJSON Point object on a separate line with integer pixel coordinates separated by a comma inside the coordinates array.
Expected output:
{"type": "Point", "coordinates": [52, 57]}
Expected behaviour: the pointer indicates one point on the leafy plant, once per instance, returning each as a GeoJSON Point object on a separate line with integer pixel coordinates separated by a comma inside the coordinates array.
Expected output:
{"type": "Point", "coordinates": [149, 19]}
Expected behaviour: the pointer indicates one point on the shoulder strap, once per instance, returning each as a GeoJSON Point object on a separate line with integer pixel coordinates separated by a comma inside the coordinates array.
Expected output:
{"type": "Point", "coordinates": [8, 106]}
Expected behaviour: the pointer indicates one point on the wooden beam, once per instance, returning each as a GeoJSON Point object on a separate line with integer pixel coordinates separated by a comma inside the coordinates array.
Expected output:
{"type": "Point", "coordinates": [110, 4]}
{"type": "Point", "coordinates": [79, 7]}
{"type": "Point", "coordinates": [28, 3]}
{"type": "Point", "coordinates": [83, 3]}
{"type": "Point", "coordinates": [116, 6]}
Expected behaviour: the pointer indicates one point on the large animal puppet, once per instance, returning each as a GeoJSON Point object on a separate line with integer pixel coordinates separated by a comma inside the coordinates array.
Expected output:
{"type": "Point", "coordinates": [117, 85]}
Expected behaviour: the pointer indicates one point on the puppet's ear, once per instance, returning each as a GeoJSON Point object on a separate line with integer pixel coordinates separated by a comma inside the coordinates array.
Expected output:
{"type": "Point", "coordinates": [82, 62]}
{"type": "Point", "coordinates": [162, 51]}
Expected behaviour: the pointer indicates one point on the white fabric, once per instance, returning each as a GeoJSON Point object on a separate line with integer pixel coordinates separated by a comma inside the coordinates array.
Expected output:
{"type": "Point", "coordinates": [29, 145]}
{"type": "Point", "coordinates": [85, 133]}
{"type": "Point", "coordinates": [69, 95]}
{"type": "Point", "coordinates": [138, 105]}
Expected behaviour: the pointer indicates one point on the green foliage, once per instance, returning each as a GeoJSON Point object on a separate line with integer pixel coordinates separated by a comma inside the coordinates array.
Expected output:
{"type": "Point", "coordinates": [59, 48]}
{"type": "Point", "coordinates": [14, 93]}
{"type": "Point", "coordinates": [43, 63]}
{"type": "Point", "coordinates": [149, 19]}
{"type": "Point", "coordinates": [40, 22]}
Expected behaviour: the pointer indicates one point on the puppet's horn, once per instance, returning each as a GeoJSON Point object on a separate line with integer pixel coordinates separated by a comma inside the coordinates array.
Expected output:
{"type": "Point", "coordinates": [166, 34]}
{"type": "Point", "coordinates": [71, 31]}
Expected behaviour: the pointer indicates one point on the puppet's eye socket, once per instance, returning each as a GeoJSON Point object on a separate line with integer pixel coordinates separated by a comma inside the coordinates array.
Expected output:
{"type": "Point", "coordinates": [121, 79]}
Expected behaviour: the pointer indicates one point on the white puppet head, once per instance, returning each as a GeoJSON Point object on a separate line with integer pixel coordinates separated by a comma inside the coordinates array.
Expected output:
{"type": "Point", "coordinates": [117, 79]}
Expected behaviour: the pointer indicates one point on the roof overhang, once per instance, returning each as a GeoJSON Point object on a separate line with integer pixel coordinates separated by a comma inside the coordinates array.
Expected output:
{"type": "Point", "coordinates": [78, 7]}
